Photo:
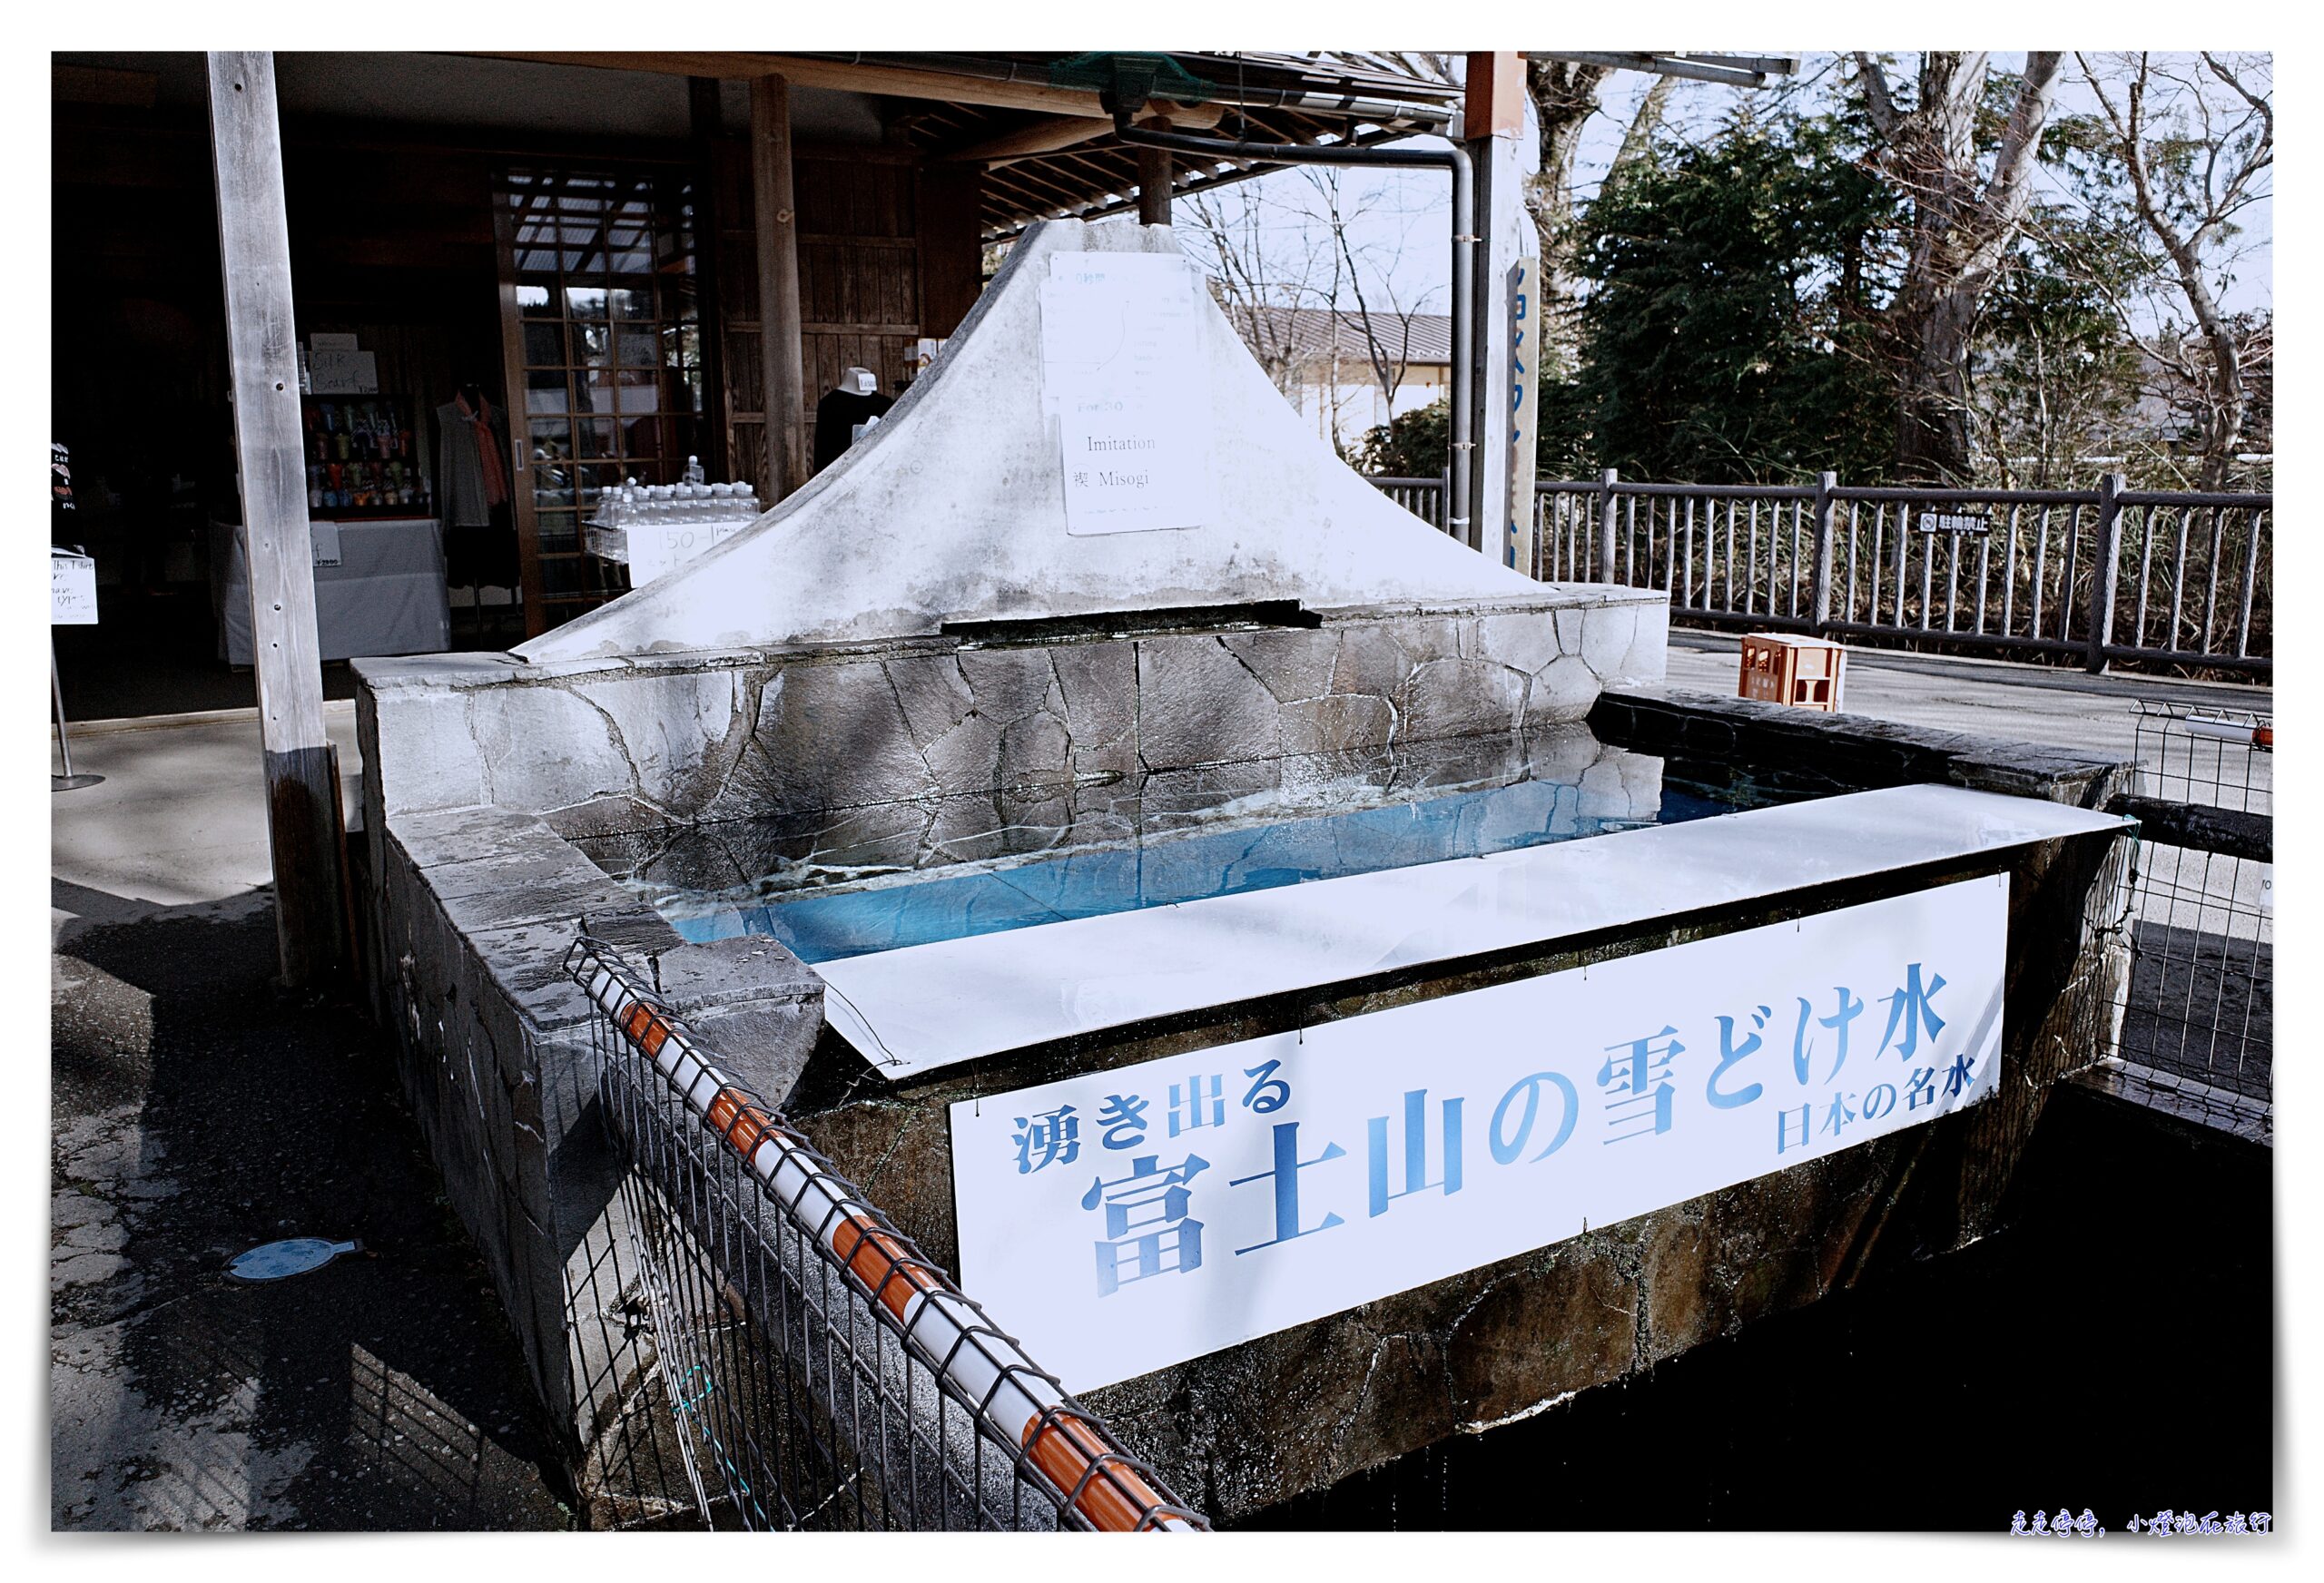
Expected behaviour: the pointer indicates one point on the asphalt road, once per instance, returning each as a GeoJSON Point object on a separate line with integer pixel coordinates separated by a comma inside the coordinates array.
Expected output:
{"type": "Point", "coordinates": [196, 1113]}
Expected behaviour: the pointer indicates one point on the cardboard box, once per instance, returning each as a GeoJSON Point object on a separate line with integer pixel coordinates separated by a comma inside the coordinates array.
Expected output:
{"type": "Point", "coordinates": [1806, 673]}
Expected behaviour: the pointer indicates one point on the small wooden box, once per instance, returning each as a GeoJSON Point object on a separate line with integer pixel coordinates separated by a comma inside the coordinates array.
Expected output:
{"type": "Point", "coordinates": [1807, 673]}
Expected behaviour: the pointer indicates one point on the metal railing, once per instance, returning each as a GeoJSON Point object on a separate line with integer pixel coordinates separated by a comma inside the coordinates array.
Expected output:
{"type": "Point", "coordinates": [2094, 575]}
{"type": "Point", "coordinates": [2198, 1033]}
{"type": "Point", "coordinates": [1423, 498]}
{"type": "Point", "coordinates": [815, 1370]}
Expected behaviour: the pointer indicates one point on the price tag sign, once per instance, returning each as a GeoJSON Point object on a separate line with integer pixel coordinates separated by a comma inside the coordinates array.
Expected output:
{"type": "Point", "coordinates": [72, 589]}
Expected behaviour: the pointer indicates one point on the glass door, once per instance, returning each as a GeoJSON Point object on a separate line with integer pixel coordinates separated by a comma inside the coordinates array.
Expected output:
{"type": "Point", "coordinates": [602, 326]}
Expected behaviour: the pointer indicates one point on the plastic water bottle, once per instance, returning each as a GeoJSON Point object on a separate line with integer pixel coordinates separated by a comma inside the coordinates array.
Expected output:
{"type": "Point", "coordinates": [693, 470]}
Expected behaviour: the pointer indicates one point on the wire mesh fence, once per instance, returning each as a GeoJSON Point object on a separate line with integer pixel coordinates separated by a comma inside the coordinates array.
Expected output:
{"type": "Point", "coordinates": [2198, 1033]}
{"type": "Point", "coordinates": [811, 1368]}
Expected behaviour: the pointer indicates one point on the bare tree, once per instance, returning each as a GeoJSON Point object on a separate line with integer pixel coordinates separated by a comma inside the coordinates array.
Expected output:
{"type": "Point", "coordinates": [1386, 332]}
{"type": "Point", "coordinates": [1565, 95]}
{"type": "Point", "coordinates": [1963, 219]}
{"type": "Point", "coordinates": [1251, 276]}
{"type": "Point", "coordinates": [2196, 146]}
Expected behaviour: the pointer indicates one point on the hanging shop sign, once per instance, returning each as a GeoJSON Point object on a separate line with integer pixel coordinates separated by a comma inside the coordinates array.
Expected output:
{"type": "Point", "coordinates": [1127, 1220]}
{"type": "Point", "coordinates": [1118, 339]}
{"type": "Point", "coordinates": [72, 589]}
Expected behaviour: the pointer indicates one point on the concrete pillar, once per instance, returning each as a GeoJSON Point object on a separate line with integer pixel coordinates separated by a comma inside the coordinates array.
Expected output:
{"type": "Point", "coordinates": [1499, 130]}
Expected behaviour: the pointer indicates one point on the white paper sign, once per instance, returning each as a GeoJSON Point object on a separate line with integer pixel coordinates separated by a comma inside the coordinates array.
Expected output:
{"type": "Point", "coordinates": [655, 548]}
{"type": "Point", "coordinates": [322, 541]}
{"type": "Point", "coordinates": [1130, 1219]}
{"type": "Point", "coordinates": [1117, 371]}
{"type": "Point", "coordinates": [331, 371]}
{"type": "Point", "coordinates": [72, 589]}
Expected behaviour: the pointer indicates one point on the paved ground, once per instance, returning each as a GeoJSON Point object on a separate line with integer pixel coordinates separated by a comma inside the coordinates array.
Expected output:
{"type": "Point", "coordinates": [1984, 697]}
{"type": "Point", "coordinates": [2202, 1001]}
{"type": "Point", "coordinates": [181, 817]}
{"type": "Point", "coordinates": [197, 1112]}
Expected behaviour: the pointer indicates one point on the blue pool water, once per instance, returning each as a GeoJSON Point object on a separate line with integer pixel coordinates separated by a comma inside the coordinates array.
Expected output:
{"type": "Point", "coordinates": [949, 903]}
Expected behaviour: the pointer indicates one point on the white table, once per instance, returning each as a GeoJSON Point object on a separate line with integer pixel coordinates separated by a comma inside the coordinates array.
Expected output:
{"type": "Point", "coordinates": [385, 595]}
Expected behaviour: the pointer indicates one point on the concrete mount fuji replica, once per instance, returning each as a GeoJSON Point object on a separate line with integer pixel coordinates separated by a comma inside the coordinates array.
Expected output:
{"type": "Point", "coordinates": [960, 508]}
{"type": "Point", "coordinates": [1092, 566]}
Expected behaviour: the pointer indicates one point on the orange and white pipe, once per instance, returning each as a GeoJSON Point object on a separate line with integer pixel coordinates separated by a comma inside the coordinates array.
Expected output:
{"type": "Point", "coordinates": [950, 1334]}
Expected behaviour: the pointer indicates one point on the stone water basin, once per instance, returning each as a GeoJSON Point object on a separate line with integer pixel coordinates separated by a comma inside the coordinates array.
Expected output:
{"type": "Point", "coordinates": [845, 883]}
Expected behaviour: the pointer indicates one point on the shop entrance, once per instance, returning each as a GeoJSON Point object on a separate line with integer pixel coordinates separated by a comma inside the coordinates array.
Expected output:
{"type": "Point", "coordinates": [601, 322]}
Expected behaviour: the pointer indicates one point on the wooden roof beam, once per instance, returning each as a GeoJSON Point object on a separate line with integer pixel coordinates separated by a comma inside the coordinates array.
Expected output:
{"type": "Point", "coordinates": [1065, 132]}
{"type": "Point", "coordinates": [805, 71]}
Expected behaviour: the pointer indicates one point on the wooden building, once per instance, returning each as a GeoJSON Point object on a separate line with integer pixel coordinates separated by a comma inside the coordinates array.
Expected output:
{"type": "Point", "coordinates": [625, 253]}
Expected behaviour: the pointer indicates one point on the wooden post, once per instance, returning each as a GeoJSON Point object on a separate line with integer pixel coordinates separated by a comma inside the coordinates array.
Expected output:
{"type": "Point", "coordinates": [710, 298]}
{"type": "Point", "coordinates": [305, 824]}
{"type": "Point", "coordinates": [2105, 570]}
{"type": "Point", "coordinates": [1606, 527]}
{"type": "Point", "coordinates": [1820, 600]}
{"type": "Point", "coordinates": [1154, 176]}
{"type": "Point", "coordinates": [781, 348]}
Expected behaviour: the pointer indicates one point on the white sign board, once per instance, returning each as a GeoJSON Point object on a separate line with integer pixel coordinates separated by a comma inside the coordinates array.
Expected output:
{"type": "Point", "coordinates": [1130, 1219]}
{"type": "Point", "coordinates": [1969, 523]}
{"type": "Point", "coordinates": [657, 547]}
{"type": "Point", "coordinates": [334, 372]}
{"type": "Point", "coordinates": [322, 541]}
{"type": "Point", "coordinates": [1119, 333]}
{"type": "Point", "coordinates": [72, 589]}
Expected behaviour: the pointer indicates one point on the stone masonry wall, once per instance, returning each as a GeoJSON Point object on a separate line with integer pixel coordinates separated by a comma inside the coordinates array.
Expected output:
{"type": "Point", "coordinates": [611, 745]}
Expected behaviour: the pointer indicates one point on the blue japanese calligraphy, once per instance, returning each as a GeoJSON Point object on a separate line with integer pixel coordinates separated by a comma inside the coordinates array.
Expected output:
{"type": "Point", "coordinates": [1802, 1046]}
{"type": "Point", "coordinates": [1912, 1007]}
{"type": "Point", "coordinates": [1147, 1231]}
{"type": "Point", "coordinates": [1506, 1151]}
{"type": "Point", "coordinates": [1922, 1089]}
{"type": "Point", "coordinates": [1638, 1088]}
{"type": "Point", "coordinates": [1783, 1127]}
{"type": "Point", "coordinates": [1285, 1176]}
{"type": "Point", "coordinates": [1415, 1151]}
{"type": "Point", "coordinates": [1054, 1136]}
{"type": "Point", "coordinates": [1123, 1117]}
{"type": "Point", "coordinates": [1269, 1092]}
{"type": "Point", "coordinates": [1197, 1103]}
{"type": "Point", "coordinates": [1729, 1052]}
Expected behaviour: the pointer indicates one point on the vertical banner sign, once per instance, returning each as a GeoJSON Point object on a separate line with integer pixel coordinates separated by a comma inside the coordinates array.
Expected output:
{"type": "Point", "coordinates": [1127, 1220]}
{"type": "Point", "coordinates": [1119, 333]}
{"type": "Point", "coordinates": [1524, 407]}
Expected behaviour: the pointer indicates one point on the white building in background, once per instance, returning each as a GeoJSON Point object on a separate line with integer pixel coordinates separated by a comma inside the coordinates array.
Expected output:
{"type": "Point", "coordinates": [1328, 363]}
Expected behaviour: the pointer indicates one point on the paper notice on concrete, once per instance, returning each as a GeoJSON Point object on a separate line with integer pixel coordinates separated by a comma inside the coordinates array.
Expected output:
{"type": "Point", "coordinates": [1118, 339]}
{"type": "Point", "coordinates": [658, 547]}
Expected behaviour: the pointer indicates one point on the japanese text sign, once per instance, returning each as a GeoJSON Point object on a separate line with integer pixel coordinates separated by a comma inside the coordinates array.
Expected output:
{"type": "Point", "coordinates": [1129, 1219]}
{"type": "Point", "coordinates": [72, 589]}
